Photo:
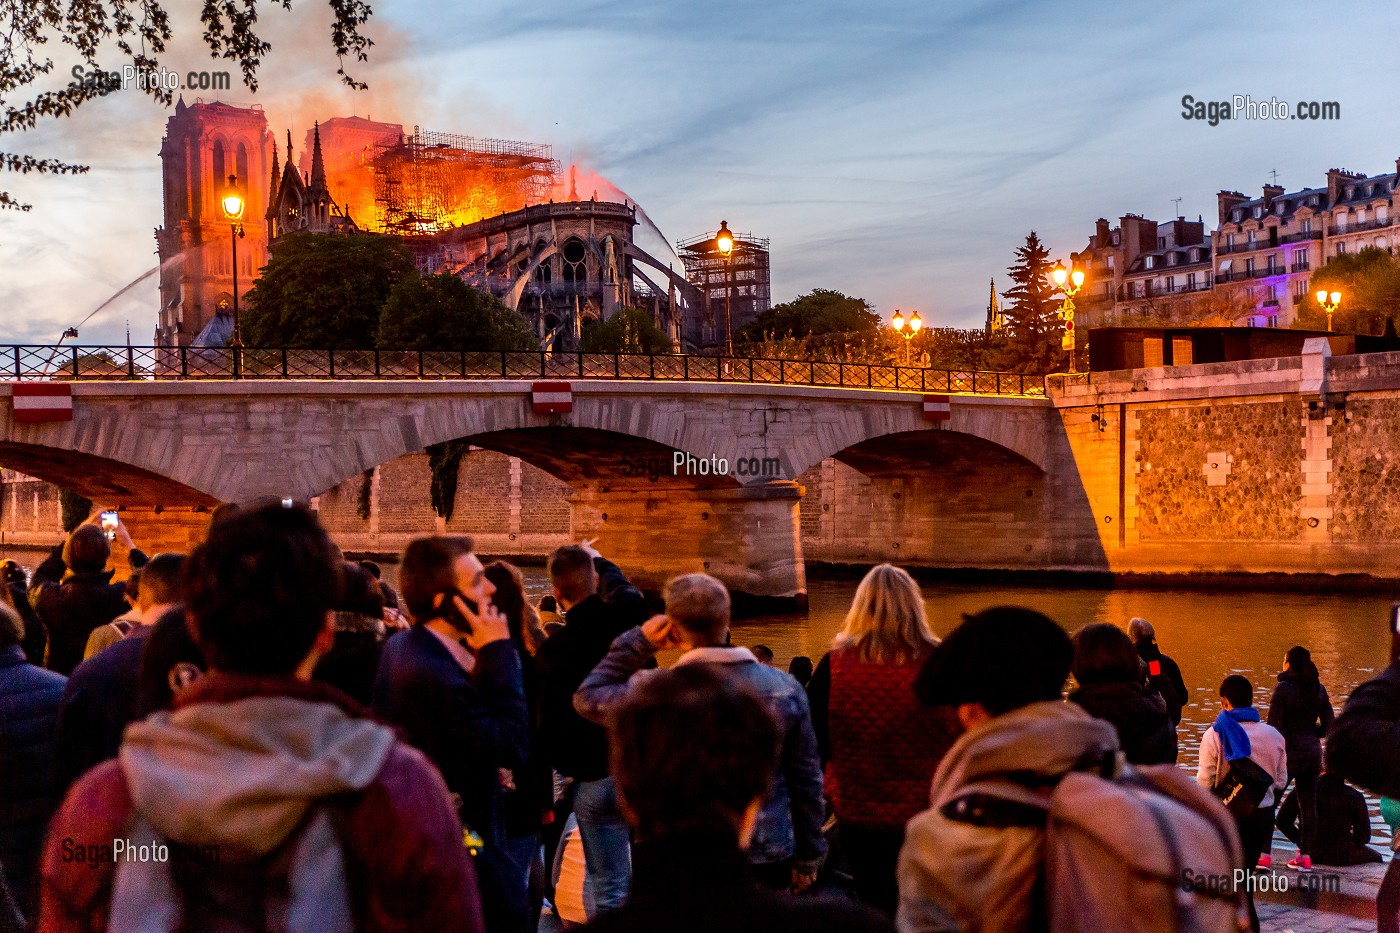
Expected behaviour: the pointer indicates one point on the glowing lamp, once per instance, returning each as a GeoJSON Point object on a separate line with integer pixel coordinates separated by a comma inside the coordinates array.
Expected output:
{"type": "Point", "coordinates": [724, 240]}
{"type": "Point", "coordinates": [1322, 297]}
{"type": "Point", "coordinates": [915, 323]}
{"type": "Point", "coordinates": [897, 322]}
{"type": "Point", "coordinates": [1336, 298]}
{"type": "Point", "coordinates": [1059, 274]}
{"type": "Point", "coordinates": [1077, 277]}
{"type": "Point", "coordinates": [233, 201]}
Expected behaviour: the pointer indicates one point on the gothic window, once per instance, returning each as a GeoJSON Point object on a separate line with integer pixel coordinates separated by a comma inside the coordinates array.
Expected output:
{"type": "Point", "coordinates": [220, 176]}
{"type": "Point", "coordinates": [242, 170]}
{"type": "Point", "coordinates": [574, 254]}
{"type": "Point", "coordinates": [544, 273]}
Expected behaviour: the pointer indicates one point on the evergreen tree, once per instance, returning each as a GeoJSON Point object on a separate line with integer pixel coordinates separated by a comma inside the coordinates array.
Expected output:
{"type": "Point", "coordinates": [442, 312]}
{"type": "Point", "coordinates": [1032, 312]}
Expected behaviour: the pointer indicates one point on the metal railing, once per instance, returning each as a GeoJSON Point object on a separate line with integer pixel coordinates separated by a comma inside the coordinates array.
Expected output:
{"type": "Point", "coordinates": [97, 363]}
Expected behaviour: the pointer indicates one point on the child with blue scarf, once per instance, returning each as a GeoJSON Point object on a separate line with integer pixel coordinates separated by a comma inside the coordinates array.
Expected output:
{"type": "Point", "coordinates": [1237, 734]}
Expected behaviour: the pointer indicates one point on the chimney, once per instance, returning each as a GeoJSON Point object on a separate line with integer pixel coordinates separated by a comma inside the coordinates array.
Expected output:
{"type": "Point", "coordinates": [1102, 234]}
{"type": "Point", "coordinates": [1139, 236]}
{"type": "Point", "coordinates": [1226, 200]}
{"type": "Point", "coordinates": [1334, 185]}
{"type": "Point", "coordinates": [1271, 192]}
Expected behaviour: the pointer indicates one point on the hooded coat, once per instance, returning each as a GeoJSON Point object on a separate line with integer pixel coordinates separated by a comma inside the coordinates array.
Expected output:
{"type": "Point", "coordinates": [241, 766]}
{"type": "Point", "coordinates": [961, 869]}
{"type": "Point", "coordinates": [1140, 716]}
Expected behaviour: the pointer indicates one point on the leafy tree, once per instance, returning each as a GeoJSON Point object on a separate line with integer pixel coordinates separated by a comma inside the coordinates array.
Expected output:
{"type": "Point", "coordinates": [323, 290]}
{"type": "Point", "coordinates": [442, 312]}
{"type": "Point", "coordinates": [820, 311]}
{"type": "Point", "coordinates": [1220, 307]}
{"type": "Point", "coordinates": [139, 32]}
{"type": "Point", "coordinates": [1032, 312]}
{"type": "Point", "coordinates": [1369, 281]}
{"type": "Point", "coordinates": [630, 330]}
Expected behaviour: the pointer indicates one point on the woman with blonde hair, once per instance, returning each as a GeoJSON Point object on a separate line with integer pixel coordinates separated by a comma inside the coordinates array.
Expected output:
{"type": "Point", "coordinates": [879, 743]}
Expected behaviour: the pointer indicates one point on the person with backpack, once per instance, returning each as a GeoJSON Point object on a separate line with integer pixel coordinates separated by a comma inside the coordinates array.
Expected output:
{"type": "Point", "coordinates": [1035, 822]}
{"type": "Point", "coordinates": [1302, 712]}
{"type": "Point", "coordinates": [1245, 762]}
{"type": "Point", "coordinates": [1112, 685]}
{"type": "Point", "coordinates": [1163, 674]}
{"type": "Point", "coordinates": [275, 800]}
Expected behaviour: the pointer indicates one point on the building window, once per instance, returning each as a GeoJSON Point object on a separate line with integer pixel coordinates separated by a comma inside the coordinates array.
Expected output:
{"type": "Point", "coordinates": [1300, 291]}
{"type": "Point", "coordinates": [1249, 266]}
{"type": "Point", "coordinates": [1148, 262]}
{"type": "Point", "coordinates": [1110, 262]}
{"type": "Point", "coordinates": [1229, 241]}
{"type": "Point", "coordinates": [1272, 264]}
{"type": "Point", "coordinates": [1341, 248]}
{"type": "Point", "coordinates": [1191, 281]}
{"type": "Point", "coordinates": [1258, 212]}
{"type": "Point", "coordinates": [1360, 216]}
{"type": "Point", "coordinates": [1306, 225]}
{"type": "Point", "coordinates": [574, 267]}
{"type": "Point", "coordinates": [1171, 283]}
{"type": "Point", "coordinates": [1300, 259]}
{"type": "Point", "coordinates": [1382, 214]}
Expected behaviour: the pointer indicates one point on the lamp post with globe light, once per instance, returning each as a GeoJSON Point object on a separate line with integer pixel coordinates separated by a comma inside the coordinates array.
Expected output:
{"type": "Point", "coordinates": [724, 242]}
{"type": "Point", "coordinates": [1068, 281]}
{"type": "Point", "coordinates": [234, 205]}
{"type": "Point", "coordinates": [906, 328]}
{"type": "Point", "coordinates": [1330, 302]}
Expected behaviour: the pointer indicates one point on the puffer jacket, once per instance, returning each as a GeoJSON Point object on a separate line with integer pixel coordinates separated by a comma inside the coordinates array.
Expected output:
{"type": "Point", "coordinates": [29, 788]}
{"type": "Point", "coordinates": [962, 870]}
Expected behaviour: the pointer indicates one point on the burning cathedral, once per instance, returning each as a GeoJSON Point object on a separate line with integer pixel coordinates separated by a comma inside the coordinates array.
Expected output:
{"type": "Point", "coordinates": [503, 215]}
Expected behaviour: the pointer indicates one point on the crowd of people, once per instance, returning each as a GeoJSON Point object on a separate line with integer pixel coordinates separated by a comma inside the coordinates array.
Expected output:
{"type": "Point", "coordinates": [262, 735]}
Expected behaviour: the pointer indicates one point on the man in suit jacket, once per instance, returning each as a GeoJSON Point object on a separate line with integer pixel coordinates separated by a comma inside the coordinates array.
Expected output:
{"type": "Point", "coordinates": [599, 605]}
{"type": "Point", "coordinates": [453, 683]}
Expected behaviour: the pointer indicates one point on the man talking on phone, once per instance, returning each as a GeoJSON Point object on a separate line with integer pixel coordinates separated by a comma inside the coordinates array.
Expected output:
{"type": "Point", "coordinates": [453, 683]}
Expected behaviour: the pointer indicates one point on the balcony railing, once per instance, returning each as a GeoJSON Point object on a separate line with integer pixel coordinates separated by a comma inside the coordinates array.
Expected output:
{"type": "Point", "coordinates": [1340, 229]}
{"type": "Point", "coordinates": [1300, 237]}
{"type": "Point", "coordinates": [96, 363]}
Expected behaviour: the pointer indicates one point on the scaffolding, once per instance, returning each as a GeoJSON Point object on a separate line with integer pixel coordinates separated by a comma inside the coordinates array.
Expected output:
{"type": "Point", "coordinates": [429, 182]}
{"type": "Point", "coordinates": [743, 279]}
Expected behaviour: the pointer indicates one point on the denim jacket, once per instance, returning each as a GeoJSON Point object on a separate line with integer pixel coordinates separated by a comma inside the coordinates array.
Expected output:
{"type": "Point", "coordinates": [790, 823]}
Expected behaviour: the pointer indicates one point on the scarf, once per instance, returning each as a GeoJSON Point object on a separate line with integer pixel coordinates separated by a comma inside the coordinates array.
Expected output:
{"type": "Point", "coordinates": [1234, 741]}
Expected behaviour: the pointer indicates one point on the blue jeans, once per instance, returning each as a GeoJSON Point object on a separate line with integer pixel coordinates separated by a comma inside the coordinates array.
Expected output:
{"type": "Point", "coordinates": [607, 842]}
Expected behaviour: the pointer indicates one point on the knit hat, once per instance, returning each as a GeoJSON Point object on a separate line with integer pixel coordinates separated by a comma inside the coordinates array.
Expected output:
{"type": "Point", "coordinates": [1003, 658]}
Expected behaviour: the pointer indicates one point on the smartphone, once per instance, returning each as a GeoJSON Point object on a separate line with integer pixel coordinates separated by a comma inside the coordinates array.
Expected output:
{"type": "Point", "coordinates": [287, 502]}
{"type": "Point", "coordinates": [452, 614]}
{"type": "Point", "coordinates": [1395, 633]}
{"type": "Point", "coordinates": [109, 522]}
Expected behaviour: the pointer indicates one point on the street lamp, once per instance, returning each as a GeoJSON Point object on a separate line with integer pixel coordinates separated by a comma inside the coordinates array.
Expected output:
{"type": "Point", "coordinates": [234, 206]}
{"type": "Point", "coordinates": [724, 242]}
{"type": "Point", "coordinates": [1329, 301]}
{"type": "Point", "coordinates": [906, 328]}
{"type": "Point", "coordinates": [1068, 281]}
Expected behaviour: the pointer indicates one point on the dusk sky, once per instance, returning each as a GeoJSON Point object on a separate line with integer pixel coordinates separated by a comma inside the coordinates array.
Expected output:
{"type": "Point", "coordinates": [898, 151]}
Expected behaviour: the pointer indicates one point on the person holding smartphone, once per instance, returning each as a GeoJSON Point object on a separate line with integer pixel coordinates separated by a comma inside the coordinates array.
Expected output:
{"type": "Point", "coordinates": [453, 683]}
{"type": "Point", "coordinates": [72, 590]}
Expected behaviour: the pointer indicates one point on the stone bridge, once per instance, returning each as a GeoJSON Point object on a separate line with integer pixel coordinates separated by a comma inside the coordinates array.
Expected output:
{"type": "Point", "coordinates": [189, 445]}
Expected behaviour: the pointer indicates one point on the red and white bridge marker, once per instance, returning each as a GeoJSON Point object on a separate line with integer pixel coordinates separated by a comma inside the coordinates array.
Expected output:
{"type": "Point", "coordinates": [552, 398]}
{"type": "Point", "coordinates": [42, 401]}
{"type": "Point", "coordinates": [938, 407]}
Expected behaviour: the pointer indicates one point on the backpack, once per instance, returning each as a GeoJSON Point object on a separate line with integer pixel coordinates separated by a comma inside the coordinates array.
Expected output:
{"type": "Point", "coordinates": [1147, 851]}
{"type": "Point", "coordinates": [305, 885]}
{"type": "Point", "coordinates": [1128, 850]}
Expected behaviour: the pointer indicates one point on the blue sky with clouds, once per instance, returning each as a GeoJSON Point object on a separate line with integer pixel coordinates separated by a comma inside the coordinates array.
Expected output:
{"type": "Point", "coordinates": [894, 150]}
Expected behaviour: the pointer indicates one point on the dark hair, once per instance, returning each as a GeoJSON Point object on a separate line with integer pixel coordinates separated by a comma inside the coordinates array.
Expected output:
{"type": "Point", "coordinates": [372, 569]}
{"type": "Point", "coordinates": [1238, 690]}
{"type": "Point", "coordinates": [801, 668]}
{"type": "Point", "coordinates": [163, 579]}
{"type": "Point", "coordinates": [168, 647]}
{"type": "Point", "coordinates": [510, 599]}
{"type": "Point", "coordinates": [12, 572]}
{"type": "Point", "coordinates": [359, 592]}
{"type": "Point", "coordinates": [763, 653]}
{"type": "Point", "coordinates": [572, 572]}
{"type": "Point", "coordinates": [259, 587]}
{"type": "Point", "coordinates": [86, 550]}
{"type": "Point", "coordinates": [1002, 658]}
{"type": "Point", "coordinates": [1300, 661]}
{"type": "Point", "coordinates": [11, 625]}
{"type": "Point", "coordinates": [428, 569]}
{"type": "Point", "coordinates": [691, 750]}
{"type": "Point", "coordinates": [131, 587]}
{"type": "Point", "coordinates": [1104, 654]}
